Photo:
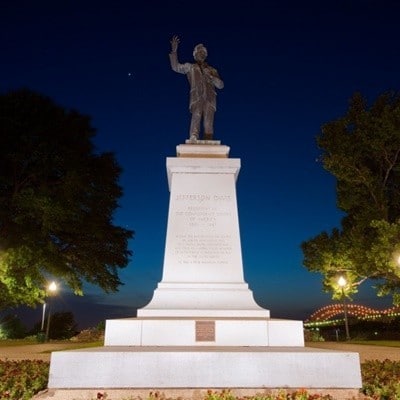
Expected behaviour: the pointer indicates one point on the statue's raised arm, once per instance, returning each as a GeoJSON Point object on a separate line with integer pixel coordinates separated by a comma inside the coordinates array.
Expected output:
{"type": "Point", "coordinates": [203, 80]}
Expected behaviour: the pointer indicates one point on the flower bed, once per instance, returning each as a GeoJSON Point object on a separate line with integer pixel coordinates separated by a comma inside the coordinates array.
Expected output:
{"type": "Point", "coordinates": [20, 380]}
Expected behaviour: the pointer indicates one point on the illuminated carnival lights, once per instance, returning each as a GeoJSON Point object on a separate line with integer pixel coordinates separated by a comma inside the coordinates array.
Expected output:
{"type": "Point", "coordinates": [325, 315]}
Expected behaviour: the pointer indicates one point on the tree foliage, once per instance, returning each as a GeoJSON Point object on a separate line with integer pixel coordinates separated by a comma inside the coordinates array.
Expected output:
{"type": "Point", "coordinates": [11, 327]}
{"type": "Point", "coordinates": [362, 151]}
{"type": "Point", "coordinates": [62, 325]}
{"type": "Point", "coordinates": [57, 200]}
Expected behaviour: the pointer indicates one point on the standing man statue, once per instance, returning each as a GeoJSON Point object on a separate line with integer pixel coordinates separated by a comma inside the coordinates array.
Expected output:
{"type": "Point", "coordinates": [203, 80]}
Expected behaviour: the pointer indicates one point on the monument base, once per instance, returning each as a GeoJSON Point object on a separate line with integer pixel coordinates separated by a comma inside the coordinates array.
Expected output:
{"type": "Point", "coordinates": [203, 332]}
{"type": "Point", "coordinates": [203, 329]}
{"type": "Point", "coordinates": [203, 300]}
{"type": "Point", "coordinates": [157, 368]}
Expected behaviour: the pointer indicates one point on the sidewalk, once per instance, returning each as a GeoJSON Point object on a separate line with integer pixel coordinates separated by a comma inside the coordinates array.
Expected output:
{"type": "Point", "coordinates": [40, 351]}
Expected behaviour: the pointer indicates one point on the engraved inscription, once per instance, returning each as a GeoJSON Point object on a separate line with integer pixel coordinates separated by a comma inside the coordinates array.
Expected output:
{"type": "Point", "coordinates": [202, 237]}
{"type": "Point", "coordinates": [205, 331]}
{"type": "Point", "coordinates": [203, 249]}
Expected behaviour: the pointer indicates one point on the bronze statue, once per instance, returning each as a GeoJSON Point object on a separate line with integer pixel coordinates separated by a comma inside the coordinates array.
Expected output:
{"type": "Point", "coordinates": [203, 80]}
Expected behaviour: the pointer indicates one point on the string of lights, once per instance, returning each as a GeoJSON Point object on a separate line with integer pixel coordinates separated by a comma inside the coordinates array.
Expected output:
{"type": "Point", "coordinates": [326, 315]}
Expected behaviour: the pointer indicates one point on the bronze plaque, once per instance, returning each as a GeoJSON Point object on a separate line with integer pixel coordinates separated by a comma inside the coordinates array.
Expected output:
{"type": "Point", "coordinates": [205, 331]}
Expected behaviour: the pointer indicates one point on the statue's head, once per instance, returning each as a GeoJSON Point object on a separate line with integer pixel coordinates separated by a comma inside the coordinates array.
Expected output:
{"type": "Point", "coordinates": [200, 52]}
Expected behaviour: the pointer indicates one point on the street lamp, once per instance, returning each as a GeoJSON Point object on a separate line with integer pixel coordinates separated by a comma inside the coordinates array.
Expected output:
{"type": "Point", "coordinates": [342, 283]}
{"type": "Point", "coordinates": [43, 315]}
{"type": "Point", "coordinates": [51, 290]}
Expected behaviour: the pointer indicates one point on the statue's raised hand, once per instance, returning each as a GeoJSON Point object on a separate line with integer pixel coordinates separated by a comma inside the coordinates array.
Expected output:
{"type": "Point", "coordinates": [174, 43]}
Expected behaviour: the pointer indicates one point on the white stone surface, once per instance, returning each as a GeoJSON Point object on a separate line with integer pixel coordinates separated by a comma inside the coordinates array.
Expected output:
{"type": "Point", "coordinates": [203, 269]}
{"type": "Point", "coordinates": [202, 149]}
{"type": "Point", "coordinates": [283, 332]}
{"type": "Point", "coordinates": [179, 367]}
{"type": "Point", "coordinates": [204, 300]}
{"type": "Point", "coordinates": [182, 332]}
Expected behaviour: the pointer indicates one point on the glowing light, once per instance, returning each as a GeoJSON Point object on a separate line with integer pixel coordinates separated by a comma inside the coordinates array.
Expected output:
{"type": "Point", "coordinates": [325, 315]}
{"type": "Point", "coordinates": [52, 287]}
{"type": "Point", "coordinates": [342, 282]}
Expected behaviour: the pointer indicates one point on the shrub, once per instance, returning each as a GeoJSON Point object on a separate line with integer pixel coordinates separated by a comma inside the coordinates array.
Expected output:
{"type": "Point", "coordinates": [89, 335]}
{"type": "Point", "coordinates": [301, 394]}
{"type": "Point", "coordinates": [381, 379]}
{"type": "Point", "coordinates": [313, 336]}
{"type": "Point", "coordinates": [20, 380]}
{"type": "Point", "coordinates": [11, 327]}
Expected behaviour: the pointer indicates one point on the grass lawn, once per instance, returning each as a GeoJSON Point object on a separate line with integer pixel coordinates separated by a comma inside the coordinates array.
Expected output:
{"type": "Point", "coordinates": [32, 341]}
{"type": "Point", "coordinates": [76, 345]}
{"type": "Point", "coordinates": [387, 343]}
{"type": "Point", "coordinates": [17, 342]}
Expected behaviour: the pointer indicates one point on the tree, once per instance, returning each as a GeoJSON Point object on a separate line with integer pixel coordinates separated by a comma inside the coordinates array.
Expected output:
{"type": "Point", "coordinates": [57, 200]}
{"type": "Point", "coordinates": [362, 151]}
{"type": "Point", "coordinates": [11, 327]}
{"type": "Point", "coordinates": [62, 326]}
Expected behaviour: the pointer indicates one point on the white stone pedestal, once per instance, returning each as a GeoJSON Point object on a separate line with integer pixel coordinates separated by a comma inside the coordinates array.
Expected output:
{"type": "Point", "coordinates": [194, 367]}
{"type": "Point", "coordinates": [203, 270]}
{"type": "Point", "coordinates": [172, 331]}
{"type": "Point", "coordinates": [202, 292]}
{"type": "Point", "coordinates": [202, 328]}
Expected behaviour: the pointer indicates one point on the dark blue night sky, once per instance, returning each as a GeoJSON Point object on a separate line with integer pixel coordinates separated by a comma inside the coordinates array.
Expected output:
{"type": "Point", "coordinates": [288, 68]}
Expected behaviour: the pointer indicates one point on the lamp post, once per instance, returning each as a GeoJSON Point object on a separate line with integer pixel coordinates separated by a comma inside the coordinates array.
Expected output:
{"type": "Point", "coordinates": [342, 283]}
{"type": "Point", "coordinates": [43, 315]}
{"type": "Point", "coordinates": [51, 289]}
